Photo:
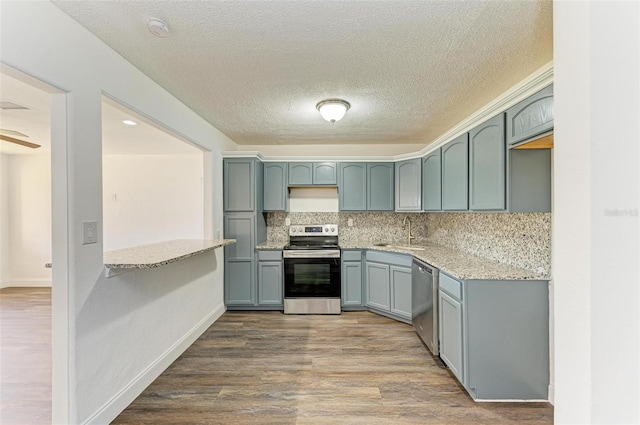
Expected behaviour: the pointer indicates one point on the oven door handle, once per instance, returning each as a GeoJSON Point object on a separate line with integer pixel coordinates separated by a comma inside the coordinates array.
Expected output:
{"type": "Point", "coordinates": [311, 253]}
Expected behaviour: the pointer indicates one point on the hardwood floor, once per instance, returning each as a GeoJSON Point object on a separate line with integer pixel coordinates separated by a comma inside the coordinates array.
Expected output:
{"type": "Point", "coordinates": [356, 368]}
{"type": "Point", "coordinates": [25, 356]}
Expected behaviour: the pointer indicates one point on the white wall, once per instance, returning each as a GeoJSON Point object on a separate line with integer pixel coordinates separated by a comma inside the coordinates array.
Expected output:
{"type": "Point", "coordinates": [337, 150]}
{"type": "Point", "coordinates": [91, 384]}
{"type": "Point", "coordinates": [596, 223]}
{"type": "Point", "coordinates": [28, 220]}
{"type": "Point", "coordinates": [4, 220]}
{"type": "Point", "coordinates": [157, 198]}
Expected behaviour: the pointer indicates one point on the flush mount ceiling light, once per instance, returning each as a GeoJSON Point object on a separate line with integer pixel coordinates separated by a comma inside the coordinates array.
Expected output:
{"type": "Point", "coordinates": [158, 27]}
{"type": "Point", "coordinates": [129, 122]}
{"type": "Point", "coordinates": [333, 110]}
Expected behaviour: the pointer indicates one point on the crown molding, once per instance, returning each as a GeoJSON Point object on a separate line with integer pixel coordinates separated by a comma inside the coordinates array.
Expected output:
{"type": "Point", "coordinates": [530, 85]}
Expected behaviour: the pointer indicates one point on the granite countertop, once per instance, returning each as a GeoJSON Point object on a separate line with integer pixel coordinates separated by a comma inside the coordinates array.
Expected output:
{"type": "Point", "coordinates": [159, 254]}
{"type": "Point", "coordinates": [272, 245]}
{"type": "Point", "coordinates": [456, 263]}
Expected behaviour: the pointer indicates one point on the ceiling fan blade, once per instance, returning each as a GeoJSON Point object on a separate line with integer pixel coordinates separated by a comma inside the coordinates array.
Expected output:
{"type": "Point", "coordinates": [12, 132]}
{"type": "Point", "coordinates": [19, 142]}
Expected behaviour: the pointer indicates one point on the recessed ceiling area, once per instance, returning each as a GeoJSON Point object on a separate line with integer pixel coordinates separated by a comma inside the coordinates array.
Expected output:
{"type": "Point", "coordinates": [256, 70]}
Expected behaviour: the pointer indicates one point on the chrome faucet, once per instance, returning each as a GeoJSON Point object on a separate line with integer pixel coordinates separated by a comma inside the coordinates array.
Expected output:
{"type": "Point", "coordinates": [404, 223]}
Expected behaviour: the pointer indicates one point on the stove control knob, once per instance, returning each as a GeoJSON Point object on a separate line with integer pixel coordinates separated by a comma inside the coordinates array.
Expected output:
{"type": "Point", "coordinates": [326, 230]}
{"type": "Point", "coordinates": [333, 229]}
{"type": "Point", "coordinates": [294, 229]}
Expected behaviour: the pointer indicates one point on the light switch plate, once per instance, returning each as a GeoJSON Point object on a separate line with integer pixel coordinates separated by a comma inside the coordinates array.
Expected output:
{"type": "Point", "coordinates": [89, 232]}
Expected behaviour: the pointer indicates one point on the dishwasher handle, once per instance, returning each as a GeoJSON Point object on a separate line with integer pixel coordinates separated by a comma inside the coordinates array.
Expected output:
{"type": "Point", "coordinates": [422, 268]}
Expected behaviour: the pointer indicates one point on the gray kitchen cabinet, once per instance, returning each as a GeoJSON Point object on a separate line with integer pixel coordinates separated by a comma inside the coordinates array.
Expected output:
{"type": "Point", "coordinates": [239, 184]}
{"type": "Point", "coordinates": [352, 186]}
{"type": "Point", "coordinates": [275, 187]}
{"type": "Point", "coordinates": [300, 173]}
{"type": "Point", "coordinates": [408, 185]}
{"type": "Point", "coordinates": [455, 172]}
{"type": "Point", "coordinates": [388, 284]}
{"type": "Point", "coordinates": [239, 261]}
{"type": "Point", "coordinates": [451, 333]}
{"type": "Point", "coordinates": [325, 173]}
{"type": "Point", "coordinates": [475, 318]}
{"type": "Point", "coordinates": [530, 118]}
{"type": "Point", "coordinates": [243, 190]}
{"type": "Point", "coordinates": [378, 284]}
{"type": "Point", "coordinates": [380, 178]}
{"type": "Point", "coordinates": [270, 279]}
{"type": "Point", "coordinates": [487, 166]}
{"type": "Point", "coordinates": [400, 291]}
{"type": "Point", "coordinates": [432, 182]}
{"type": "Point", "coordinates": [529, 182]}
{"type": "Point", "coordinates": [352, 290]}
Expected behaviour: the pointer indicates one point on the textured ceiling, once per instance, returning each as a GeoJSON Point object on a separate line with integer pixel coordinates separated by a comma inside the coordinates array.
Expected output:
{"type": "Point", "coordinates": [256, 69]}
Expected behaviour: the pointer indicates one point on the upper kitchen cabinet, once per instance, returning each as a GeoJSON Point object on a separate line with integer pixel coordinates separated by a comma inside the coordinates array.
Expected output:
{"type": "Point", "coordinates": [455, 172]}
{"type": "Point", "coordinates": [352, 186]}
{"type": "Point", "coordinates": [300, 173]}
{"type": "Point", "coordinates": [365, 186]}
{"type": "Point", "coordinates": [487, 166]}
{"type": "Point", "coordinates": [275, 186]}
{"type": "Point", "coordinates": [408, 179]}
{"type": "Point", "coordinates": [312, 173]}
{"type": "Point", "coordinates": [529, 182]}
{"type": "Point", "coordinates": [325, 173]}
{"type": "Point", "coordinates": [432, 182]}
{"type": "Point", "coordinates": [380, 186]}
{"type": "Point", "coordinates": [240, 184]}
{"type": "Point", "coordinates": [530, 118]}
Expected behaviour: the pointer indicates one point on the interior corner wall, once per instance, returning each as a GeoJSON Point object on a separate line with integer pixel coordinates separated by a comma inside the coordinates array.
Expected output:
{"type": "Point", "coordinates": [595, 219]}
{"type": "Point", "coordinates": [144, 203]}
{"type": "Point", "coordinates": [28, 208]}
{"type": "Point", "coordinates": [113, 321]}
{"type": "Point", "coordinates": [4, 220]}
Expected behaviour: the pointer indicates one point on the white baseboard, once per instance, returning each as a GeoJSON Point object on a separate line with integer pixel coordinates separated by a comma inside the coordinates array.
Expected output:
{"type": "Point", "coordinates": [26, 283]}
{"type": "Point", "coordinates": [552, 393]}
{"type": "Point", "coordinates": [112, 408]}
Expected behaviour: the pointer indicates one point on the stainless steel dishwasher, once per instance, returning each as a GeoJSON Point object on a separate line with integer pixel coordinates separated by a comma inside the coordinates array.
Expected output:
{"type": "Point", "coordinates": [424, 296]}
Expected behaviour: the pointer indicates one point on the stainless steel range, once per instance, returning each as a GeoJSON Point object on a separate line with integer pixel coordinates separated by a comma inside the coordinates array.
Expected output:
{"type": "Point", "coordinates": [312, 270]}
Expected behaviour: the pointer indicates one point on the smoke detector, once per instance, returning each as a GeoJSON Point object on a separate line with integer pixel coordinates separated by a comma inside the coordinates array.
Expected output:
{"type": "Point", "coordinates": [158, 27]}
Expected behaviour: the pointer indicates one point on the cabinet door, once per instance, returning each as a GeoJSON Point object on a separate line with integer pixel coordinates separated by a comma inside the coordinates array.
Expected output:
{"type": "Point", "coordinates": [240, 226]}
{"type": "Point", "coordinates": [324, 173]}
{"type": "Point", "coordinates": [239, 184]}
{"type": "Point", "coordinates": [352, 284]}
{"type": "Point", "coordinates": [431, 182]}
{"type": "Point", "coordinates": [455, 172]}
{"type": "Point", "coordinates": [300, 173]}
{"type": "Point", "coordinates": [239, 282]}
{"type": "Point", "coordinates": [380, 186]}
{"type": "Point", "coordinates": [531, 117]}
{"type": "Point", "coordinates": [352, 189]}
{"type": "Point", "coordinates": [451, 334]}
{"type": "Point", "coordinates": [270, 282]}
{"type": "Point", "coordinates": [409, 185]}
{"type": "Point", "coordinates": [378, 291]}
{"type": "Point", "coordinates": [401, 291]}
{"type": "Point", "coordinates": [275, 186]}
{"type": "Point", "coordinates": [487, 166]}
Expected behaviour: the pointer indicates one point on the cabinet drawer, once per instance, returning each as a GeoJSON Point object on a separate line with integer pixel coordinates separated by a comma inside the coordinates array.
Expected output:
{"type": "Point", "coordinates": [451, 286]}
{"type": "Point", "coordinates": [389, 258]}
{"type": "Point", "coordinates": [352, 255]}
{"type": "Point", "coordinates": [269, 255]}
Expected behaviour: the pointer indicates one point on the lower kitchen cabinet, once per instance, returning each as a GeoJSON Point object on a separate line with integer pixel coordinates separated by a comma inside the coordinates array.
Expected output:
{"type": "Point", "coordinates": [494, 336]}
{"type": "Point", "coordinates": [388, 284]}
{"type": "Point", "coordinates": [270, 279]}
{"type": "Point", "coordinates": [239, 282]}
{"type": "Point", "coordinates": [352, 291]}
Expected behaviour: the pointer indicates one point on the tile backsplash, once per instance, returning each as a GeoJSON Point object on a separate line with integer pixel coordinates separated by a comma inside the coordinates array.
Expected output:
{"type": "Point", "coordinates": [519, 239]}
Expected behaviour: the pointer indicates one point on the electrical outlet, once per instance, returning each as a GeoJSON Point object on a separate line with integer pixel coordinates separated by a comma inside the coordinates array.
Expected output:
{"type": "Point", "coordinates": [287, 221]}
{"type": "Point", "coordinates": [350, 222]}
{"type": "Point", "coordinates": [89, 232]}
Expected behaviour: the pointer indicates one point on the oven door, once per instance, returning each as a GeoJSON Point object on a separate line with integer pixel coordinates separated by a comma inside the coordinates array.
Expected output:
{"type": "Point", "coordinates": [307, 276]}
